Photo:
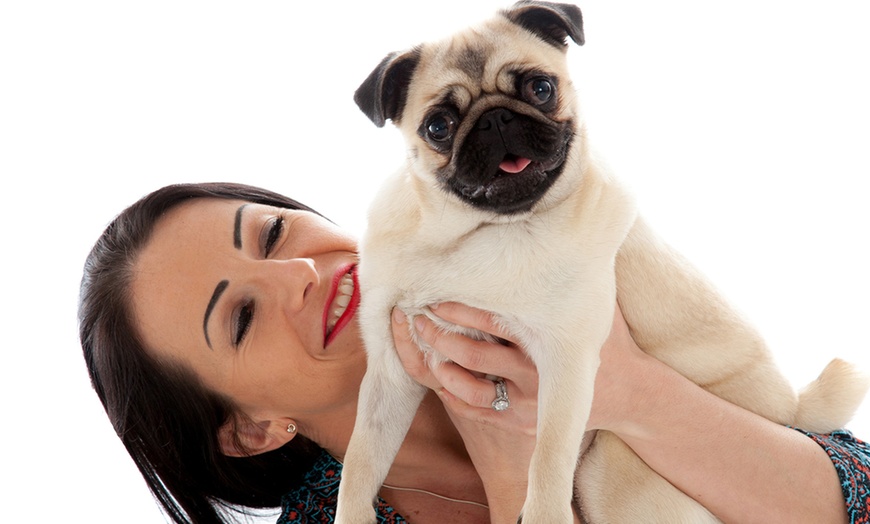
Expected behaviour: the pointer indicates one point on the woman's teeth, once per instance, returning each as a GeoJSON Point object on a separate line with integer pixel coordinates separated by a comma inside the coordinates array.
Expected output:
{"type": "Point", "coordinates": [342, 299]}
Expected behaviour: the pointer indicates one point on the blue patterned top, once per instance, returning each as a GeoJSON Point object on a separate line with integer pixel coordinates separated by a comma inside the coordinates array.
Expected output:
{"type": "Point", "coordinates": [314, 501]}
{"type": "Point", "coordinates": [851, 458]}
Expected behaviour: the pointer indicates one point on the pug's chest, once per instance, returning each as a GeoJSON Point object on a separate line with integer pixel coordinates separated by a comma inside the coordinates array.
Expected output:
{"type": "Point", "coordinates": [513, 271]}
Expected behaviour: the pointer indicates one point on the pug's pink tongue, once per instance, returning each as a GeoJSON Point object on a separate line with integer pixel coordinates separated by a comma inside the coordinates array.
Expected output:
{"type": "Point", "coordinates": [515, 165]}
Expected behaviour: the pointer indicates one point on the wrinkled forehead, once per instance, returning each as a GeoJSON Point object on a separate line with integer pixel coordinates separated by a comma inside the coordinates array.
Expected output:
{"type": "Point", "coordinates": [481, 60]}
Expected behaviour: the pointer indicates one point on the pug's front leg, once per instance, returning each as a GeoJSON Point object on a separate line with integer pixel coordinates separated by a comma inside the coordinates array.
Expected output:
{"type": "Point", "coordinates": [566, 380]}
{"type": "Point", "coordinates": [388, 402]}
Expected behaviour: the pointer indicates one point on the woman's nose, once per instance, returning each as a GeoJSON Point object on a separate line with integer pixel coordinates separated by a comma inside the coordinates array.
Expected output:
{"type": "Point", "coordinates": [296, 278]}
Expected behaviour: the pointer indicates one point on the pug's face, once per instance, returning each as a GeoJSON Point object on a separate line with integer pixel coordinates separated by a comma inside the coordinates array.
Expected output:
{"type": "Point", "coordinates": [490, 112]}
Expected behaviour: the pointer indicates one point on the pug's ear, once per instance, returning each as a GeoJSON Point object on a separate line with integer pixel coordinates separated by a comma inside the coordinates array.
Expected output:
{"type": "Point", "coordinates": [383, 94]}
{"type": "Point", "coordinates": [552, 22]}
{"type": "Point", "coordinates": [243, 438]}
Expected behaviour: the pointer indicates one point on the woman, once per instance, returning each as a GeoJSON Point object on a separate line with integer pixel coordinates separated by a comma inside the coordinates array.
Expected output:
{"type": "Point", "coordinates": [218, 327]}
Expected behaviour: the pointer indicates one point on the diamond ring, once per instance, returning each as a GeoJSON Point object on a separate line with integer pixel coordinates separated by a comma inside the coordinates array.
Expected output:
{"type": "Point", "coordinates": [501, 401]}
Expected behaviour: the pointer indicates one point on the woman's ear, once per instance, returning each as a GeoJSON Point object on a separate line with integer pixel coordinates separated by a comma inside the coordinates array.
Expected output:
{"type": "Point", "coordinates": [243, 438]}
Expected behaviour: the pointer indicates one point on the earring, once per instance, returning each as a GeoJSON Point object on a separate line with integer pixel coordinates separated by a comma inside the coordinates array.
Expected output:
{"type": "Point", "coordinates": [291, 428]}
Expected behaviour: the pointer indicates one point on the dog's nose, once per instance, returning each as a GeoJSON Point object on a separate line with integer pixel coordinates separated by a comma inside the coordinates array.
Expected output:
{"type": "Point", "coordinates": [494, 119]}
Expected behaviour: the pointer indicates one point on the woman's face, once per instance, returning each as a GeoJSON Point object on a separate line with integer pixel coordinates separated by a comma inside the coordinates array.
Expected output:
{"type": "Point", "coordinates": [258, 301]}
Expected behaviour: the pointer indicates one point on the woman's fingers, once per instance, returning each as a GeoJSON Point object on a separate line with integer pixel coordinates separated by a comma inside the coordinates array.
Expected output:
{"type": "Point", "coordinates": [413, 360]}
{"type": "Point", "coordinates": [461, 380]}
{"type": "Point", "coordinates": [470, 397]}
{"type": "Point", "coordinates": [470, 317]}
{"type": "Point", "coordinates": [473, 389]}
{"type": "Point", "coordinates": [479, 356]}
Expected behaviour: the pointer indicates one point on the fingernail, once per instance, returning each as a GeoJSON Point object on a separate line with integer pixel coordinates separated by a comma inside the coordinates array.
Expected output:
{"type": "Point", "coordinates": [398, 316]}
{"type": "Point", "coordinates": [419, 323]}
{"type": "Point", "coordinates": [444, 395]}
{"type": "Point", "coordinates": [433, 307]}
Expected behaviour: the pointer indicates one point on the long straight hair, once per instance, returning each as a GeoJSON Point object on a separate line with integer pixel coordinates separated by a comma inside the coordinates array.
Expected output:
{"type": "Point", "coordinates": [166, 418]}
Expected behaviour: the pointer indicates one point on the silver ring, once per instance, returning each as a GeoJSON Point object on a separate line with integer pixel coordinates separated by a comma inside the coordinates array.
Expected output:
{"type": "Point", "coordinates": [501, 401]}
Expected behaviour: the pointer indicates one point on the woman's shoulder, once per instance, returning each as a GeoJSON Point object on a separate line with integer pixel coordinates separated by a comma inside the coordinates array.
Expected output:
{"type": "Point", "coordinates": [314, 501]}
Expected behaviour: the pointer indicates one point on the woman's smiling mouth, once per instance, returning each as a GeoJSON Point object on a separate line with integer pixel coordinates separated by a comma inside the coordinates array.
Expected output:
{"type": "Point", "coordinates": [342, 303]}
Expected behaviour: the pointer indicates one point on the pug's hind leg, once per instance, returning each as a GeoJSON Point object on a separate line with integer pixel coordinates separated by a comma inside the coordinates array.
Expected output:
{"type": "Point", "coordinates": [614, 485]}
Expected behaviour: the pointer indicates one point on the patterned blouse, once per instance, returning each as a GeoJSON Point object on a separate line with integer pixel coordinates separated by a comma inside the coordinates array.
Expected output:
{"type": "Point", "coordinates": [314, 501]}
{"type": "Point", "coordinates": [851, 458]}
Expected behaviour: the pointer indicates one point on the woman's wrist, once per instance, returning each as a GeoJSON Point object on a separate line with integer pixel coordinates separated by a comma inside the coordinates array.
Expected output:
{"type": "Point", "coordinates": [649, 399]}
{"type": "Point", "coordinates": [505, 510]}
{"type": "Point", "coordinates": [629, 388]}
{"type": "Point", "coordinates": [504, 506]}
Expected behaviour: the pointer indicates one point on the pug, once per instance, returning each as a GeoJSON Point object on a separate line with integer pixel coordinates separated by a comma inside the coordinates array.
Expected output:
{"type": "Point", "coordinates": [502, 205]}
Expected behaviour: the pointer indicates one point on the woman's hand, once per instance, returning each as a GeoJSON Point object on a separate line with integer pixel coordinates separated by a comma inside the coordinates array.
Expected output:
{"type": "Point", "coordinates": [500, 443]}
{"type": "Point", "coordinates": [620, 380]}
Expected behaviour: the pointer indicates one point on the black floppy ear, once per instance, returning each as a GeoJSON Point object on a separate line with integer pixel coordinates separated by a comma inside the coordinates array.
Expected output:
{"type": "Point", "coordinates": [552, 22]}
{"type": "Point", "coordinates": [382, 95]}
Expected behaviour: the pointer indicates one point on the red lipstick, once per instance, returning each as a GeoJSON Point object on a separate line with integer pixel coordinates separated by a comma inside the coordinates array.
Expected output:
{"type": "Point", "coordinates": [329, 334]}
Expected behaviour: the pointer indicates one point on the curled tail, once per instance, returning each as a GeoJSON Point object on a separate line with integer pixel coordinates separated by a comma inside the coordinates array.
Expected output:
{"type": "Point", "coordinates": [830, 401]}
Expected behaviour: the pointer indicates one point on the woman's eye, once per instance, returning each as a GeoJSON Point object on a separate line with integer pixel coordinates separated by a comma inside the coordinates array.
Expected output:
{"type": "Point", "coordinates": [243, 322]}
{"type": "Point", "coordinates": [273, 235]}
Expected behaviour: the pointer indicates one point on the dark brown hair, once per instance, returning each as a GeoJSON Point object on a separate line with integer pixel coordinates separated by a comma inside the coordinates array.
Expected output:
{"type": "Point", "coordinates": [166, 418]}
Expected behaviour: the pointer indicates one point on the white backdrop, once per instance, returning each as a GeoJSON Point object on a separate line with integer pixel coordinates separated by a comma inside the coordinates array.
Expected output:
{"type": "Point", "coordinates": [741, 127]}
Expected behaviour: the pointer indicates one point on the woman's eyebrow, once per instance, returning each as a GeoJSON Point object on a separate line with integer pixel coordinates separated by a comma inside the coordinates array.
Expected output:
{"type": "Point", "coordinates": [237, 228]}
{"type": "Point", "coordinates": [218, 291]}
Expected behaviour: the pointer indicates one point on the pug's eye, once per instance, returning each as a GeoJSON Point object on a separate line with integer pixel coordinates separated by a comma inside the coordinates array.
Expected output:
{"type": "Point", "coordinates": [539, 90]}
{"type": "Point", "coordinates": [440, 127]}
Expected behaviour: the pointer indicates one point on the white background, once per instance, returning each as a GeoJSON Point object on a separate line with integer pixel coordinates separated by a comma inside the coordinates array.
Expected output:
{"type": "Point", "coordinates": [742, 127]}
